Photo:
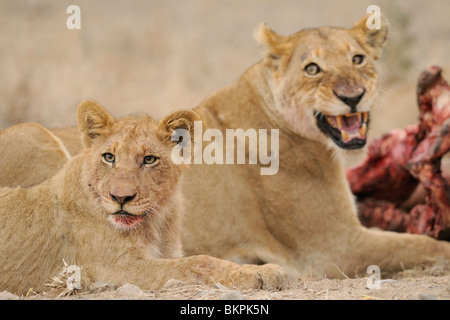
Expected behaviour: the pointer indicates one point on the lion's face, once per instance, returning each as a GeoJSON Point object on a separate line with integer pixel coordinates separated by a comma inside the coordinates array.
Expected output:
{"type": "Point", "coordinates": [133, 173]}
{"type": "Point", "coordinates": [324, 81]}
{"type": "Point", "coordinates": [129, 169]}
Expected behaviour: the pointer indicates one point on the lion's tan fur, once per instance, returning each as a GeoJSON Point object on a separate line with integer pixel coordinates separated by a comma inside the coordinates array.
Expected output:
{"type": "Point", "coordinates": [304, 217]}
{"type": "Point", "coordinates": [66, 217]}
{"type": "Point", "coordinates": [71, 137]}
{"type": "Point", "coordinates": [19, 166]}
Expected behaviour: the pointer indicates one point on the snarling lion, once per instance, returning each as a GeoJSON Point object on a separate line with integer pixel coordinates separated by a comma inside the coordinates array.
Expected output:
{"type": "Point", "coordinates": [318, 87]}
{"type": "Point", "coordinates": [114, 210]}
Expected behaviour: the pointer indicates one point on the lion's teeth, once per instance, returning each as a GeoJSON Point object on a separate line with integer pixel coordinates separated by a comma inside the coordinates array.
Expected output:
{"type": "Point", "coordinates": [363, 130]}
{"type": "Point", "coordinates": [330, 121]}
{"type": "Point", "coordinates": [339, 121]}
{"type": "Point", "coordinates": [344, 135]}
{"type": "Point", "coordinates": [365, 114]}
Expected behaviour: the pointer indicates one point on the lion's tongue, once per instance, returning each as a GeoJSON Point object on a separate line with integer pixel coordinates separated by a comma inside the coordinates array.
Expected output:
{"type": "Point", "coordinates": [351, 123]}
{"type": "Point", "coordinates": [352, 128]}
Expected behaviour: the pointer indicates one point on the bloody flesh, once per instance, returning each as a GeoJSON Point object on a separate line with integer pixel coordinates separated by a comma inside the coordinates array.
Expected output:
{"type": "Point", "coordinates": [403, 159]}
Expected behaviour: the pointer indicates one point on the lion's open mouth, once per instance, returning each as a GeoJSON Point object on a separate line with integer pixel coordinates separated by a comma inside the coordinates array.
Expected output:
{"type": "Point", "coordinates": [125, 220]}
{"type": "Point", "coordinates": [347, 131]}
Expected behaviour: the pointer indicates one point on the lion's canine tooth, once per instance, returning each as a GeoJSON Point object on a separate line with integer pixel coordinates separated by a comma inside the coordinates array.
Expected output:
{"type": "Point", "coordinates": [365, 114]}
{"type": "Point", "coordinates": [363, 130]}
{"type": "Point", "coordinates": [339, 121]}
{"type": "Point", "coordinates": [330, 121]}
{"type": "Point", "coordinates": [344, 135]}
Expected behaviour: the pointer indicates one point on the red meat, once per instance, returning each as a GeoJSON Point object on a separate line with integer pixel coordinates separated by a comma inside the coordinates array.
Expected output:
{"type": "Point", "coordinates": [403, 159]}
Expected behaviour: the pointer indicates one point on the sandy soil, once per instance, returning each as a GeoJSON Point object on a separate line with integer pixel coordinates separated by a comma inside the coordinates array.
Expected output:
{"type": "Point", "coordinates": [411, 288]}
{"type": "Point", "coordinates": [431, 283]}
{"type": "Point", "coordinates": [158, 56]}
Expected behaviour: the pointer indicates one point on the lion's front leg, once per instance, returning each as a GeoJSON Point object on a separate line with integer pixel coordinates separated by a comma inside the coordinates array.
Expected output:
{"type": "Point", "coordinates": [152, 274]}
{"type": "Point", "coordinates": [393, 251]}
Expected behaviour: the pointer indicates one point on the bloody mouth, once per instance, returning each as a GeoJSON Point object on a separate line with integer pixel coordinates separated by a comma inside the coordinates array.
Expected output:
{"type": "Point", "coordinates": [125, 220]}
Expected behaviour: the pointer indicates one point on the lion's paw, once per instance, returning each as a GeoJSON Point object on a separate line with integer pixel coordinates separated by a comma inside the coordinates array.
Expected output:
{"type": "Point", "coordinates": [268, 276]}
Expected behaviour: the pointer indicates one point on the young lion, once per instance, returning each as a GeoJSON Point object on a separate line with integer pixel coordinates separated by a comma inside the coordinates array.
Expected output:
{"type": "Point", "coordinates": [114, 210]}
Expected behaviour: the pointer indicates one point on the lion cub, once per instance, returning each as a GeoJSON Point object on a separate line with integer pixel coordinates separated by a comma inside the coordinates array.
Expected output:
{"type": "Point", "coordinates": [115, 211]}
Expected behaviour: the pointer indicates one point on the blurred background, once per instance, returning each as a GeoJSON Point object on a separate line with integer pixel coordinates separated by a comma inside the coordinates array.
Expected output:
{"type": "Point", "coordinates": [159, 56]}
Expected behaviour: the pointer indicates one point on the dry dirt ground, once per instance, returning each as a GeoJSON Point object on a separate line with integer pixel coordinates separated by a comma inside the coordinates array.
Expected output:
{"type": "Point", "coordinates": [431, 283]}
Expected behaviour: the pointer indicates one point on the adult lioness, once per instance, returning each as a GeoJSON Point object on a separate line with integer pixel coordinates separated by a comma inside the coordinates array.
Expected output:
{"type": "Point", "coordinates": [114, 210]}
{"type": "Point", "coordinates": [317, 86]}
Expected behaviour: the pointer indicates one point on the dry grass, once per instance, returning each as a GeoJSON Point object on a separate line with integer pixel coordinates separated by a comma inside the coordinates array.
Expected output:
{"type": "Point", "coordinates": [61, 284]}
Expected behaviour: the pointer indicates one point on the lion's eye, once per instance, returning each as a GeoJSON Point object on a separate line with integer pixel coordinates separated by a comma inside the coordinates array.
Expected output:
{"type": "Point", "coordinates": [150, 159]}
{"type": "Point", "coordinates": [312, 69]}
{"type": "Point", "coordinates": [109, 157]}
{"type": "Point", "coordinates": [358, 59]}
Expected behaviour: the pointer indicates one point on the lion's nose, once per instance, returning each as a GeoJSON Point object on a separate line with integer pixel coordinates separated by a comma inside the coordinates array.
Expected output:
{"type": "Point", "coordinates": [122, 199]}
{"type": "Point", "coordinates": [351, 100]}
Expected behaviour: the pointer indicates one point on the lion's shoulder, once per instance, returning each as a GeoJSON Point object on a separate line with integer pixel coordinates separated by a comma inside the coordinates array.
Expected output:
{"type": "Point", "coordinates": [30, 154]}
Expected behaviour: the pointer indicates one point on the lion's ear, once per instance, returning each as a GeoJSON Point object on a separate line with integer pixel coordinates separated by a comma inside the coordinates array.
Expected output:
{"type": "Point", "coordinates": [273, 45]}
{"type": "Point", "coordinates": [371, 40]}
{"type": "Point", "coordinates": [93, 121]}
{"type": "Point", "coordinates": [179, 120]}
